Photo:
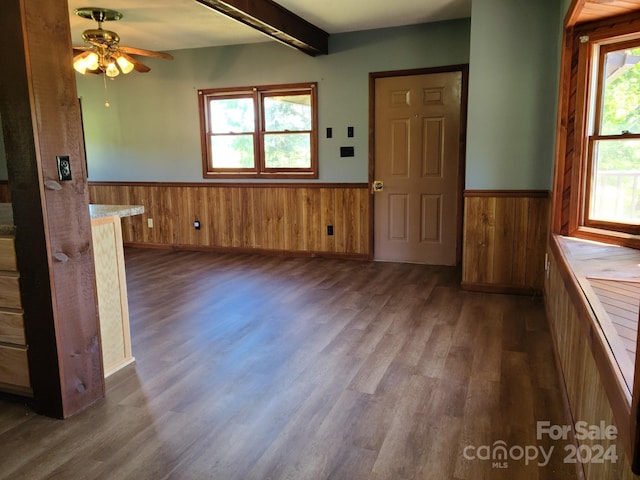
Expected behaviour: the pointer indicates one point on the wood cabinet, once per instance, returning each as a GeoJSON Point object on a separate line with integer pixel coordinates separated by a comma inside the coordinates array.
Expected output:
{"type": "Point", "coordinates": [14, 365]}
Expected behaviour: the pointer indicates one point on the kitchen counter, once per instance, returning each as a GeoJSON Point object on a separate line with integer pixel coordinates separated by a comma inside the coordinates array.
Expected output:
{"type": "Point", "coordinates": [111, 283]}
{"type": "Point", "coordinates": [100, 211]}
{"type": "Point", "coordinates": [111, 290]}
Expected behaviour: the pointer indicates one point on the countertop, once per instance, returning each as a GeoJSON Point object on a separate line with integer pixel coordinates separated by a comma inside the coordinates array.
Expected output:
{"type": "Point", "coordinates": [98, 211]}
{"type": "Point", "coordinates": [95, 211]}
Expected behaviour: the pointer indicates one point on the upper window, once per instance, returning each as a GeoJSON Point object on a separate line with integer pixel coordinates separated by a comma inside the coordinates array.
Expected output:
{"type": "Point", "coordinates": [612, 194]}
{"type": "Point", "coordinates": [252, 132]}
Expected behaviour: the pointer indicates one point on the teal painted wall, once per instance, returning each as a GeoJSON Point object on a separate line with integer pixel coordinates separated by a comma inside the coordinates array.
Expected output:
{"type": "Point", "coordinates": [514, 71]}
{"type": "Point", "coordinates": [150, 132]}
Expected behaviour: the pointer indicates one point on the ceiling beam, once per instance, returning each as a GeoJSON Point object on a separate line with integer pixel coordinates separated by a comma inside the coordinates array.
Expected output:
{"type": "Point", "coordinates": [275, 21]}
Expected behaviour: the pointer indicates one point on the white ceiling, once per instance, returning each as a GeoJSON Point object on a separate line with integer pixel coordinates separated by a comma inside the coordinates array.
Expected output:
{"type": "Point", "coordinates": [176, 24]}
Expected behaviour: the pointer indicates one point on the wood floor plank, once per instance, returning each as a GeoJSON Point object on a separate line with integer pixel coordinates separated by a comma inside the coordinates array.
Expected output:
{"type": "Point", "coordinates": [255, 368]}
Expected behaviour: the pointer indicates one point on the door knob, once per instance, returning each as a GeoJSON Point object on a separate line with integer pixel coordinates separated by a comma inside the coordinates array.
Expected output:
{"type": "Point", "coordinates": [377, 186]}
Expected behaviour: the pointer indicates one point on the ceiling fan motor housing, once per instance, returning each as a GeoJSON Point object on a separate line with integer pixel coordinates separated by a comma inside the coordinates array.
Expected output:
{"type": "Point", "coordinates": [98, 36]}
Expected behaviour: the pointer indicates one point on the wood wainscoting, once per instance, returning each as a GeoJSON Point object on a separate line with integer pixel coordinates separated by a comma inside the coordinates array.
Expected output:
{"type": "Point", "coordinates": [593, 393]}
{"type": "Point", "coordinates": [505, 234]}
{"type": "Point", "coordinates": [276, 218]}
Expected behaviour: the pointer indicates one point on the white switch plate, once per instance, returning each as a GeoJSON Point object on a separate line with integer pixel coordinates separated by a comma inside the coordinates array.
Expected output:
{"type": "Point", "coordinates": [150, 222]}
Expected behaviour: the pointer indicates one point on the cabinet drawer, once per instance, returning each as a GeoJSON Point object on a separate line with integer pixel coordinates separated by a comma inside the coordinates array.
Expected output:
{"type": "Point", "coordinates": [10, 291]}
{"type": "Point", "coordinates": [14, 366]}
{"type": "Point", "coordinates": [12, 328]}
{"type": "Point", "coordinates": [8, 254]}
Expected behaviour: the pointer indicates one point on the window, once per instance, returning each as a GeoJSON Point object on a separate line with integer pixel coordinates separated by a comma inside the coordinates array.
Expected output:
{"type": "Point", "coordinates": [613, 145]}
{"type": "Point", "coordinates": [259, 132]}
{"type": "Point", "coordinates": [597, 178]}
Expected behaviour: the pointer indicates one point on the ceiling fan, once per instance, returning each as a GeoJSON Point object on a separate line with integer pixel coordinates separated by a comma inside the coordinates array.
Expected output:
{"type": "Point", "coordinates": [103, 52]}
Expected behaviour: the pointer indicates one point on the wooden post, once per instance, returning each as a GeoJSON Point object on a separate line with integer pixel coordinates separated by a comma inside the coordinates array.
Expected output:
{"type": "Point", "coordinates": [40, 116]}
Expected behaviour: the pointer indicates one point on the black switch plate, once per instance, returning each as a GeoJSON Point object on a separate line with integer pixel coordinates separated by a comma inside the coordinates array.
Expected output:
{"type": "Point", "coordinates": [64, 167]}
{"type": "Point", "coordinates": [329, 229]}
{"type": "Point", "coordinates": [349, 131]}
{"type": "Point", "coordinates": [329, 132]}
{"type": "Point", "coordinates": [346, 152]}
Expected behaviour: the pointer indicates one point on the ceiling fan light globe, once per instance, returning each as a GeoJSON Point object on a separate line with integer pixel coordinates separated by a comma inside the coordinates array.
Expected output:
{"type": "Point", "coordinates": [125, 65]}
{"type": "Point", "coordinates": [80, 66]}
{"type": "Point", "coordinates": [91, 61]}
{"type": "Point", "coordinates": [112, 70]}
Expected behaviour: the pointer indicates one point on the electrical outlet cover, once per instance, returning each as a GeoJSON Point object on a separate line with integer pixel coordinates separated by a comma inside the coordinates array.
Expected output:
{"type": "Point", "coordinates": [64, 167]}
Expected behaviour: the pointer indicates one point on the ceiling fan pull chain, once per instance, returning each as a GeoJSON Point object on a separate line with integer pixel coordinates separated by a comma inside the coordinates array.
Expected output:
{"type": "Point", "coordinates": [106, 98]}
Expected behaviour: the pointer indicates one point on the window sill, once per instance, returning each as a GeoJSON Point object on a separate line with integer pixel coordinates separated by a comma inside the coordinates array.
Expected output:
{"type": "Point", "coordinates": [253, 175]}
{"type": "Point", "coordinates": [585, 266]}
{"type": "Point", "coordinates": [607, 237]}
{"type": "Point", "coordinates": [609, 277]}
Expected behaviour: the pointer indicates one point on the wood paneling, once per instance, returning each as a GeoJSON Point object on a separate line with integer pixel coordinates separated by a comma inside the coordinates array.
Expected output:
{"type": "Point", "coordinates": [591, 10]}
{"type": "Point", "coordinates": [586, 388]}
{"type": "Point", "coordinates": [504, 240]}
{"type": "Point", "coordinates": [276, 218]}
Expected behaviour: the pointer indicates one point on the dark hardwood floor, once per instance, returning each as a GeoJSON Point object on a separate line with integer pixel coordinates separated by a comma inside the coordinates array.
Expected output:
{"type": "Point", "coordinates": [252, 367]}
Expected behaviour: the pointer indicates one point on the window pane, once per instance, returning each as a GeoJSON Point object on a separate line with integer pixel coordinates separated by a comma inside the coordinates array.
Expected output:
{"type": "Point", "coordinates": [231, 115]}
{"type": "Point", "coordinates": [287, 150]}
{"type": "Point", "coordinates": [616, 168]}
{"type": "Point", "coordinates": [232, 151]}
{"type": "Point", "coordinates": [287, 112]}
{"type": "Point", "coordinates": [621, 94]}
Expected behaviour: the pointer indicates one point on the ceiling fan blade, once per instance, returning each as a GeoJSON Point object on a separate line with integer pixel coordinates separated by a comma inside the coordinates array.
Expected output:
{"type": "Point", "coordinates": [138, 66]}
{"type": "Point", "coordinates": [145, 53]}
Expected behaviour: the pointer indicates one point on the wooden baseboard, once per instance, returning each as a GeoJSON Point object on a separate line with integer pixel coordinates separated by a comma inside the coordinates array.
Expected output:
{"type": "Point", "coordinates": [500, 288]}
{"type": "Point", "coordinates": [251, 251]}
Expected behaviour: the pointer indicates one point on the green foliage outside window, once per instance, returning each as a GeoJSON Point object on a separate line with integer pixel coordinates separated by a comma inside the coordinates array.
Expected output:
{"type": "Point", "coordinates": [617, 161]}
